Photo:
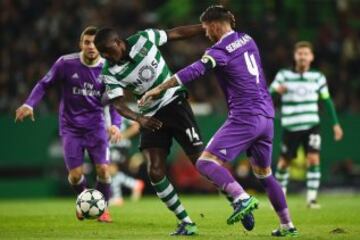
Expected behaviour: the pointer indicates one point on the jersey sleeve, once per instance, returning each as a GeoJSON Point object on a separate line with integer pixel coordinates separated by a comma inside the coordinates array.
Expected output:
{"type": "Point", "coordinates": [156, 36]}
{"type": "Point", "coordinates": [323, 87]}
{"type": "Point", "coordinates": [279, 79]}
{"type": "Point", "coordinates": [53, 75]}
{"type": "Point", "coordinates": [211, 59]}
{"type": "Point", "coordinates": [116, 118]}
{"type": "Point", "coordinates": [113, 87]}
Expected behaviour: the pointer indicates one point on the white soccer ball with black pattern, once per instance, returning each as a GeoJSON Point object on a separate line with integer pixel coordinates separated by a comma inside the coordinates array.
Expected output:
{"type": "Point", "coordinates": [91, 203]}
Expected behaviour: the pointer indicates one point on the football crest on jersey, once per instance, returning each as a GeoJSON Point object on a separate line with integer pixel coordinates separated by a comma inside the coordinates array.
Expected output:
{"type": "Point", "coordinates": [143, 52]}
{"type": "Point", "coordinates": [146, 73]}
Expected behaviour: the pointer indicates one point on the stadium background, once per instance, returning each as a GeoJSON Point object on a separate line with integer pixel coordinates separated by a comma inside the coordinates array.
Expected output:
{"type": "Point", "coordinates": [35, 33]}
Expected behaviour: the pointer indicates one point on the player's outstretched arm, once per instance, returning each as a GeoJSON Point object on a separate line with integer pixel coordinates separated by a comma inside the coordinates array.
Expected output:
{"type": "Point", "coordinates": [184, 32]}
{"type": "Point", "coordinates": [144, 121]}
{"type": "Point", "coordinates": [38, 92]}
{"type": "Point", "coordinates": [155, 92]}
{"type": "Point", "coordinates": [183, 76]}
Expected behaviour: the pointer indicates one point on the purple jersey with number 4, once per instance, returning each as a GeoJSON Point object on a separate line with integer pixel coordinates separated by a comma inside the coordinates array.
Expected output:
{"type": "Point", "coordinates": [237, 65]}
{"type": "Point", "coordinates": [236, 61]}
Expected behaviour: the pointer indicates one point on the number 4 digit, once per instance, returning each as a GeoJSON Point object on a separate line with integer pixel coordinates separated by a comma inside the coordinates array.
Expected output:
{"type": "Point", "coordinates": [252, 66]}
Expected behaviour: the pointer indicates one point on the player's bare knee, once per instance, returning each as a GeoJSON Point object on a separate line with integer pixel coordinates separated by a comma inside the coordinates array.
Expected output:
{"type": "Point", "coordinates": [156, 174]}
{"type": "Point", "coordinates": [102, 171]}
{"type": "Point", "coordinates": [283, 163]}
{"type": "Point", "coordinates": [313, 159]}
{"type": "Point", "coordinates": [75, 175]}
{"type": "Point", "coordinates": [262, 173]}
{"type": "Point", "coordinates": [156, 171]}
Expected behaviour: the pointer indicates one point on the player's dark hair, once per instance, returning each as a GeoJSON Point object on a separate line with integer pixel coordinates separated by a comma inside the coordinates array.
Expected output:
{"type": "Point", "coordinates": [303, 44]}
{"type": "Point", "coordinates": [104, 35]}
{"type": "Point", "coordinates": [90, 30]}
{"type": "Point", "coordinates": [218, 13]}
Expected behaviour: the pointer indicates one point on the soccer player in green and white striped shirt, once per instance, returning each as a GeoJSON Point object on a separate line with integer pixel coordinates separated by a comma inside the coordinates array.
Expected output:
{"type": "Point", "coordinates": [136, 65]}
{"type": "Point", "coordinates": [301, 89]}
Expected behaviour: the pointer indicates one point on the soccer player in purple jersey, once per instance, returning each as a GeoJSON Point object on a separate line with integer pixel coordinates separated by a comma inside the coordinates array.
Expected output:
{"type": "Point", "coordinates": [82, 123]}
{"type": "Point", "coordinates": [249, 127]}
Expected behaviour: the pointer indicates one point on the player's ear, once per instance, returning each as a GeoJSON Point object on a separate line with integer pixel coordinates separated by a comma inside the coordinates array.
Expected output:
{"type": "Point", "coordinates": [80, 44]}
{"type": "Point", "coordinates": [312, 57]}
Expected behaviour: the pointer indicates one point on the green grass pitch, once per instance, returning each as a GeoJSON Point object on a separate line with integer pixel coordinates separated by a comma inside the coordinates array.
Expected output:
{"type": "Point", "coordinates": [339, 218]}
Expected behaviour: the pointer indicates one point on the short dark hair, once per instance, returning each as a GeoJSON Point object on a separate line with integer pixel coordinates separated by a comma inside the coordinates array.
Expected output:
{"type": "Point", "coordinates": [303, 44]}
{"type": "Point", "coordinates": [90, 30]}
{"type": "Point", "coordinates": [103, 35]}
{"type": "Point", "coordinates": [217, 13]}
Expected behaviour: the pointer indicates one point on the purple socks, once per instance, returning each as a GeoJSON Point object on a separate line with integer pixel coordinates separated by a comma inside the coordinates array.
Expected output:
{"type": "Point", "coordinates": [220, 176]}
{"type": "Point", "coordinates": [103, 185]}
{"type": "Point", "coordinates": [277, 198]}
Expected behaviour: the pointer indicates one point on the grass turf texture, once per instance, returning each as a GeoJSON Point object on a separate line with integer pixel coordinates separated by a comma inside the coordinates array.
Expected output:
{"type": "Point", "coordinates": [339, 218]}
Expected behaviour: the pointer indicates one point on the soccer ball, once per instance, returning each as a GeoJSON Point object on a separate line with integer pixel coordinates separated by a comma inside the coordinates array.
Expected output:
{"type": "Point", "coordinates": [90, 203]}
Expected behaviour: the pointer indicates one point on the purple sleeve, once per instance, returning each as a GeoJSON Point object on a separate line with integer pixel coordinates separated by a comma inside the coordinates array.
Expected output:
{"type": "Point", "coordinates": [191, 72]}
{"type": "Point", "coordinates": [116, 118]}
{"type": "Point", "coordinates": [48, 80]}
{"type": "Point", "coordinates": [211, 59]}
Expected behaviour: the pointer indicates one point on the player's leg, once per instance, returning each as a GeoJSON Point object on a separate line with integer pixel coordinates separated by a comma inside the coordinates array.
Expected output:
{"type": "Point", "coordinates": [156, 158]}
{"type": "Point", "coordinates": [77, 179]}
{"type": "Point", "coordinates": [211, 167]}
{"type": "Point", "coordinates": [230, 140]}
{"type": "Point", "coordinates": [116, 192]}
{"type": "Point", "coordinates": [290, 144]}
{"type": "Point", "coordinates": [74, 158]}
{"type": "Point", "coordinates": [119, 155]}
{"type": "Point", "coordinates": [97, 147]}
{"type": "Point", "coordinates": [313, 175]}
{"type": "Point", "coordinates": [155, 147]}
{"type": "Point", "coordinates": [282, 173]}
{"type": "Point", "coordinates": [260, 152]}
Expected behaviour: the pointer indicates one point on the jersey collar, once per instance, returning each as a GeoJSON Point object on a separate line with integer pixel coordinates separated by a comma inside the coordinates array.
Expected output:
{"type": "Point", "coordinates": [225, 35]}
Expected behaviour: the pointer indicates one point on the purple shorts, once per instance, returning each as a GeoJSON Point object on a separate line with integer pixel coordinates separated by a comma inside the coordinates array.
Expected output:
{"type": "Point", "coordinates": [253, 134]}
{"type": "Point", "coordinates": [94, 142]}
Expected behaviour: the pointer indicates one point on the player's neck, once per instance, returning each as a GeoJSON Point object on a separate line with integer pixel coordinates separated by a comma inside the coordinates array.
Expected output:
{"type": "Point", "coordinates": [302, 69]}
{"type": "Point", "coordinates": [224, 32]}
{"type": "Point", "coordinates": [89, 62]}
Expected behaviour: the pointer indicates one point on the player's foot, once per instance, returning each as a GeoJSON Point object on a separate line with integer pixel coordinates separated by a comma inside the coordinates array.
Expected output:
{"type": "Point", "coordinates": [243, 208]}
{"type": "Point", "coordinates": [281, 232]}
{"type": "Point", "coordinates": [118, 201]}
{"type": "Point", "coordinates": [137, 191]}
{"type": "Point", "coordinates": [248, 220]}
{"type": "Point", "coordinates": [313, 204]}
{"type": "Point", "coordinates": [79, 216]}
{"type": "Point", "coordinates": [185, 229]}
{"type": "Point", "coordinates": [105, 217]}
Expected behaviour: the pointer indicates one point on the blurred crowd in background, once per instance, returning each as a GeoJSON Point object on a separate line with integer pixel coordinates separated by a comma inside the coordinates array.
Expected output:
{"type": "Point", "coordinates": [34, 33]}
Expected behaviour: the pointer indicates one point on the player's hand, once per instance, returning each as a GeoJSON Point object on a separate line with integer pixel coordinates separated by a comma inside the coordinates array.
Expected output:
{"type": "Point", "coordinates": [23, 112]}
{"type": "Point", "coordinates": [114, 134]}
{"type": "Point", "coordinates": [149, 96]}
{"type": "Point", "coordinates": [338, 132]}
{"type": "Point", "coordinates": [281, 89]}
{"type": "Point", "coordinates": [149, 123]}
